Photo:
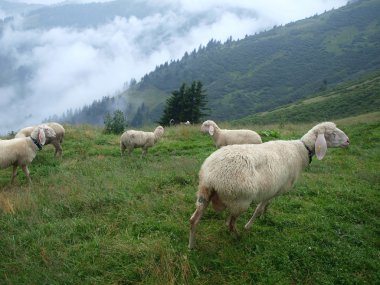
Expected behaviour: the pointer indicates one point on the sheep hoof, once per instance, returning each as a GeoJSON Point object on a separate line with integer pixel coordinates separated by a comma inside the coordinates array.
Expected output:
{"type": "Point", "coordinates": [248, 226]}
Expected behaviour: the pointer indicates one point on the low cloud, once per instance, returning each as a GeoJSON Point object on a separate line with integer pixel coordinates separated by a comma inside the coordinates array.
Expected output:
{"type": "Point", "coordinates": [64, 67]}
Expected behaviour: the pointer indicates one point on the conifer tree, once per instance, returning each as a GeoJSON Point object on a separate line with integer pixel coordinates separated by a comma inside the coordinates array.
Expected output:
{"type": "Point", "coordinates": [186, 104]}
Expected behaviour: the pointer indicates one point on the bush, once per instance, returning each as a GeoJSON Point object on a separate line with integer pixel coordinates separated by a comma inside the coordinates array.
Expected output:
{"type": "Point", "coordinates": [115, 123]}
{"type": "Point", "coordinates": [270, 133]}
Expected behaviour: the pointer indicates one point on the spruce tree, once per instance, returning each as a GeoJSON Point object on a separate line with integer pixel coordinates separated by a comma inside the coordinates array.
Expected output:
{"type": "Point", "coordinates": [200, 102]}
{"type": "Point", "coordinates": [186, 104]}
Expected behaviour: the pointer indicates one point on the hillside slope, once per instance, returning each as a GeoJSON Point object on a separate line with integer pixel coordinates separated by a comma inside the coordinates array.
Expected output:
{"type": "Point", "coordinates": [350, 99]}
{"type": "Point", "coordinates": [271, 69]}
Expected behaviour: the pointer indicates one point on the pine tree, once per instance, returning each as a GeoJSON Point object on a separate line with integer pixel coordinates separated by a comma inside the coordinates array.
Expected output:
{"type": "Point", "coordinates": [186, 104]}
{"type": "Point", "coordinates": [200, 102]}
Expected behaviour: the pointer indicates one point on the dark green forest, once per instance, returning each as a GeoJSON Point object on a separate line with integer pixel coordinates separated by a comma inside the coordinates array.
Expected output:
{"type": "Point", "coordinates": [265, 71]}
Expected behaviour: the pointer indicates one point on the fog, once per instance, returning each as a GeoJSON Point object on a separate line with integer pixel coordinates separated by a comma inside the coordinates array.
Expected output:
{"type": "Point", "coordinates": [66, 67]}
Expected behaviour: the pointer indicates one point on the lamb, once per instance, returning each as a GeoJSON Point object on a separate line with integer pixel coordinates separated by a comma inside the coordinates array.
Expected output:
{"type": "Point", "coordinates": [235, 176]}
{"type": "Point", "coordinates": [55, 141]}
{"type": "Point", "coordinates": [133, 139]}
{"type": "Point", "coordinates": [229, 137]}
{"type": "Point", "coordinates": [22, 151]}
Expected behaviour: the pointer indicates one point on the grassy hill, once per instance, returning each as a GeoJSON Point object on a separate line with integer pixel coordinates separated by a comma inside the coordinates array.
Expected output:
{"type": "Point", "coordinates": [353, 98]}
{"type": "Point", "coordinates": [268, 70]}
{"type": "Point", "coordinates": [94, 217]}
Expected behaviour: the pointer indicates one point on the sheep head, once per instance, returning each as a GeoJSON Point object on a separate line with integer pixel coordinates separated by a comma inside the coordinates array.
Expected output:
{"type": "Point", "coordinates": [41, 132]}
{"type": "Point", "coordinates": [325, 135]}
{"type": "Point", "coordinates": [208, 127]}
{"type": "Point", "coordinates": [159, 131]}
{"type": "Point", "coordinates": [49, 132]}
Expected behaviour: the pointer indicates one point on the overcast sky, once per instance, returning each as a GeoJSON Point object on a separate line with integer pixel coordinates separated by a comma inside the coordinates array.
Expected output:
{"type": "Point", "coordinates": [72, 67]}
{"type": "Point", "coordinates": [50, 2]}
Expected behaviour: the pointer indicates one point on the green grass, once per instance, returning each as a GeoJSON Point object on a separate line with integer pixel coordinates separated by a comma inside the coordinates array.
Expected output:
{"type": "Point", "coordinates": [94, 217]}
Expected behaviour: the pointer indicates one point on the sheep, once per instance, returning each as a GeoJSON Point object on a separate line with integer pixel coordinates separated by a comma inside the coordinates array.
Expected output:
{"type": "Point", "coordinates": [172, 122]}
{"type": "Point", "coordinates": [22, 151]}
{"type": "Point", "coordinates": [229, 137]}
{"type": "Point", "coordinates": [132, 139]}
{"type": "Point", "coordinates": [234, 176]}
{"type": "Point", "coordinates": [55, 141]}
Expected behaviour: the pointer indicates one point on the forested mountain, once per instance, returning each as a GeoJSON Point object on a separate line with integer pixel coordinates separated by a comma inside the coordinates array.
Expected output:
{"type": "Point", "coordinates": [11, 8]}
{"type": "Point", "coordinates": [88, 14]}
{"type": "Point", "coordinates": [273, 68]}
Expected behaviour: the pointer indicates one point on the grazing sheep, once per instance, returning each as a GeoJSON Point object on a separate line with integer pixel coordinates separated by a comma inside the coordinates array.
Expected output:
{"type": "Point", "coordinates": [55, 141]}
{"type": "Point", "coordinates": [132, 139]}
{"type": "Point", "coordinates": [235, 176]}
{"type": "Point", "coordinates": [229, 137]}
{"type": "Point", "coordinates": [22, 151]}
{"type": "Point", "coordinates": [172, 122]}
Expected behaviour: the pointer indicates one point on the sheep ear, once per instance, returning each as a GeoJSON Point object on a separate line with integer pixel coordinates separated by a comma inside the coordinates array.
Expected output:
{"type": "Point", "coordinates": [50, 132]}
{"type": "Point", "coordinates": [41, 136]}
{"type": "Point", "coordinates": [211, 130]}
{"type": "Point", "coordinates": [320, 146]}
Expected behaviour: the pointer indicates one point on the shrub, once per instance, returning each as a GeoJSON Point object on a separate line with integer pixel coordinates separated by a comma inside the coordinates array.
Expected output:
{"type": "Point", "coordinates": [115, 123]}
{"type": "Point", "coordinates": [270, 133]}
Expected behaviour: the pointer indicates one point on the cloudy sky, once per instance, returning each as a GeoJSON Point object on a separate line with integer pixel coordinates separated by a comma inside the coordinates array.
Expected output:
{"type": "Point", "coordinates": [72, 67]}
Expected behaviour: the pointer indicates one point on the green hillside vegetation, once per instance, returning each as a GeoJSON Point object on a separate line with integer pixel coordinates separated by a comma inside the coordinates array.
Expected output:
{"type": "Point", "coordinates": [353, 98]}
{"type": "Point", "coordinates": [271, 69]}
{"type": "Point", "coordinates": [94, 217]}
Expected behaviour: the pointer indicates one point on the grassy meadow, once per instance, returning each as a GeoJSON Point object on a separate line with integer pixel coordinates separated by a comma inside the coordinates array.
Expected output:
{"type": "Point", "coordinates": [94, 217]}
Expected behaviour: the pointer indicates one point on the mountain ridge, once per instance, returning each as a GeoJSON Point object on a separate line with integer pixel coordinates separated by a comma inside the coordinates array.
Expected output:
{"type": "Point", "coordinates": [270, 69]}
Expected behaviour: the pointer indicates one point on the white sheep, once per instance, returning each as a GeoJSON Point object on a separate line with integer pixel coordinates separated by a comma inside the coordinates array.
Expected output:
{"type": "Point", "coordinates": [138, 139]}
{"type": "Point", "coordinates": [55, 141]}
{"type": "Point", "coordinates": [229, 137]}
{"type": "Point", "coordinates": [235, 176]}
{"type": "Point", "coordinates": [22, 151]}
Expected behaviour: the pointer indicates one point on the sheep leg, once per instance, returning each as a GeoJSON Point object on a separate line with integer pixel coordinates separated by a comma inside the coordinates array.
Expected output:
{"type": "Point", "coordinates": [27, 173]}
{"type": "Point", "coordinates": [228, 220]}
{"type": "Point", "coordinates": [58, 148]}
{"type": "Point", "coordinates": [217, 204]}
{"type": "Point", "coordinates": [130, 149]}
{"type": "Point", "coordinates": [232, 225]}
{"type": "Point", "coordinates": [144, 151]}
{"type": "Point", "coordinates": [258, 212]}
{"type": "Point", "coordinates": [194, 220]}
{"type": "Point", "coordinates": [202, 204]}
{"type": "Point", "coordinates": [122, 149]}
{"type": "Point", "coordinates": [14, 173]}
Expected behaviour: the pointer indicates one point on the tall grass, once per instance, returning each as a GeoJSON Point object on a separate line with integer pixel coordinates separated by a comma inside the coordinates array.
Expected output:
{"type": "Point", "coordinates": [94, 217]}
